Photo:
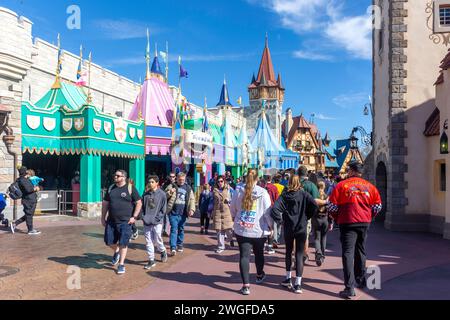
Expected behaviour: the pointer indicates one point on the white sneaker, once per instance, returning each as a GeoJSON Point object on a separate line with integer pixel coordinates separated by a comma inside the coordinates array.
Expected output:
{"type": "Point", "coordinates": [219, 250]}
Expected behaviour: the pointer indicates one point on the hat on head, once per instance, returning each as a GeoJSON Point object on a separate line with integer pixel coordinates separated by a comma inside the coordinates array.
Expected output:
{"type": "Point", "coordinates": [22, 171]}
{"type": "Point", "coordinates": [356, 166]}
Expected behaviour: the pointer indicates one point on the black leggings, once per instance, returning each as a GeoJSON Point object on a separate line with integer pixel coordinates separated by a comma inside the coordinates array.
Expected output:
{"type": "Point", "coordinates": [245, 246]}
{"type": "Point", "coordinates": [204, 220]}
{"type": "Point", "coordinates": [300, 241]}
{"type": "Point", "coordinates": [320, 227]}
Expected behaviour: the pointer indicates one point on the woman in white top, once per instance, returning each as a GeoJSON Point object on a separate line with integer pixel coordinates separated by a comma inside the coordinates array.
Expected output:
{"type": "Point", "coordinates": [250, 208]}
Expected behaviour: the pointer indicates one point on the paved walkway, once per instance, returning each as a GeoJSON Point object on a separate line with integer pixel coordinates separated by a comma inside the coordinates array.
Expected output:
{"type": "Point", "coordinates": [413, 266]}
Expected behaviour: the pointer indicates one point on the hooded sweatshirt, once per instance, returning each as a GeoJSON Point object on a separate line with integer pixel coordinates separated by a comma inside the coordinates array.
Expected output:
{"type": "Point", "coordinates": [154, 207]}
{"type": "Point", "coordinates": [294, 209]}
{"type": "Point", "coordinates": [257, 222]}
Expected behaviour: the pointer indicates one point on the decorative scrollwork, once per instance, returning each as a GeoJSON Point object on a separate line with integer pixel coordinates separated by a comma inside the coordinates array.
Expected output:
{"type": "Point", "coordinates": [437, 38]}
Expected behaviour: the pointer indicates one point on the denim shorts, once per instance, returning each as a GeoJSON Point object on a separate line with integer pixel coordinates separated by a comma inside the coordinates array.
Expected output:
{"type": "Point", "coordinates": [117, 232]}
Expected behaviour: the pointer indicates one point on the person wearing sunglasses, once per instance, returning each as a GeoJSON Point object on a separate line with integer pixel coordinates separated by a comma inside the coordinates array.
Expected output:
{"type": "Point", "coordinates": [154, 210]}
{"type": "Point", "coordinates": [222, 219]}
{"type": "Point", "coordinates": [120, 209]}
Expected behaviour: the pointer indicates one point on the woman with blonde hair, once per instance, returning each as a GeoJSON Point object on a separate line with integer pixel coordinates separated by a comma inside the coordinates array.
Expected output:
{"type": "Point", "coordinates": [250, 208]}
{"type": "Point", "coordinates": [294, 208]}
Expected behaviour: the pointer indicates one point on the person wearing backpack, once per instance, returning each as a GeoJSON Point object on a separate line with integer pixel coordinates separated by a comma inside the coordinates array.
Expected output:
{"type": "Point", "coordinates": [29, 200]}
{"type": "Point", "coordinates": [120, 209]}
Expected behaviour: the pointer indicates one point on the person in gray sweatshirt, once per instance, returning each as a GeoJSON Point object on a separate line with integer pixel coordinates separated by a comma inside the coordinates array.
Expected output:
{"type": "Point", "coordinates": [250, 208]}
{"type": "Point", "coordinates": [154, 209]}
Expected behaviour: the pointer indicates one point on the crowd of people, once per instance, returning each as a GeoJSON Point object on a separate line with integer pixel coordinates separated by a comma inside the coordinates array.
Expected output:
{"type": "Point", "coordinates": [259, 213]}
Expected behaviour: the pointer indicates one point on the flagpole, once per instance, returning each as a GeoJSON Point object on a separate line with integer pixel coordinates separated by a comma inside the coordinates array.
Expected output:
{"type": "Point", "coordinates": [147, 56]}
{"type": "Point", "coordinates": [89, 98]}
{"type": "Point", "coordinates": [57, 83]}
{"type": "Point", "coordinates": [167, 62]}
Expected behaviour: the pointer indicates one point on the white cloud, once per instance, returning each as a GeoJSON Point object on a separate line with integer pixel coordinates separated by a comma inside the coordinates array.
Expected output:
{"type": "Point", "coordinates": [353, 34]}
{"type": "Point", "coordinates": [325, 18]}
{"type": "Point", "coordinates": [308, 55]}
{"type": "Point", "coordinates": [321, 116]}
{"type": "Point", "coordinates": [184, 58]}
{"type": "Point", "coordinates": [351, 100]}
{"type": "Point", "coordinates": [125, 29]}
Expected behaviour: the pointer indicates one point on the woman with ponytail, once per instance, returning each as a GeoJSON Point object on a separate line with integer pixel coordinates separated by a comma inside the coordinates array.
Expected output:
{"type": "Point", "coordinates": [250, 208]}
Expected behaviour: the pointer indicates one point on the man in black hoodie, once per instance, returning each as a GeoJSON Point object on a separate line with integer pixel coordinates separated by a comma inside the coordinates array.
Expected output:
{"type": "Point", "coordinates": [294, 208]}
{"type": "Point", "coordinates": [29, 201]}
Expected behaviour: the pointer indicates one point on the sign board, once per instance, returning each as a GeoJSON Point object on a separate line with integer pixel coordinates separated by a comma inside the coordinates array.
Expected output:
{"type": "Point", "coordinates": [198, 137]}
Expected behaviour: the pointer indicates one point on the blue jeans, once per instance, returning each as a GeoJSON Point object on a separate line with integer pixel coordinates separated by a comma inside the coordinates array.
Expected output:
{"type": "Point", "coordinates": [176, 230]}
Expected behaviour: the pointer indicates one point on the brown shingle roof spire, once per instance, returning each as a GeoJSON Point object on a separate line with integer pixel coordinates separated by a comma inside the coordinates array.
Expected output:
{"type": "Point", "coordinates": [266, 66]}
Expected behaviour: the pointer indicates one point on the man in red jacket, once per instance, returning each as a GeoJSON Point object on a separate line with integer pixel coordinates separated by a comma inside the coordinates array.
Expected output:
{"type": "Point", "coordinates": [353, 204]}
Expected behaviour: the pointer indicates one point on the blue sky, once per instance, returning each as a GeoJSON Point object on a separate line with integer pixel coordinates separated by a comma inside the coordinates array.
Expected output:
{"type": "Point", "coordinates": [322, 48]}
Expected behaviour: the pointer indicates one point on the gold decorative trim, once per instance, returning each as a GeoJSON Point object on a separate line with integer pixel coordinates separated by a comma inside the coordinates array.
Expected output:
{"type": "Point", "coordinates": [79, 152]}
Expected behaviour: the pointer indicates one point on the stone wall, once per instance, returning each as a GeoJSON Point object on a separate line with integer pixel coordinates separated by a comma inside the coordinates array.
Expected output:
{"type": "Point", "coordinates": [27, 72]}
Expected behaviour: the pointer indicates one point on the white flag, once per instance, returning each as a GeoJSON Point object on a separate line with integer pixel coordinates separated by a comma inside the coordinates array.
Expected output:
{"type": "Point", "coordinates": [163, 55]}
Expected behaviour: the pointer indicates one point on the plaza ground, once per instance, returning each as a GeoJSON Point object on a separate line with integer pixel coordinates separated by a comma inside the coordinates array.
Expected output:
{"type": "Point", "coordinates": [413, 266]}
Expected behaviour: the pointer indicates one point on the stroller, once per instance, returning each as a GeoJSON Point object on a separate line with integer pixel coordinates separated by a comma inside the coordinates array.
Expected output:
{"type": "Point", "coordinates": [3, 221]}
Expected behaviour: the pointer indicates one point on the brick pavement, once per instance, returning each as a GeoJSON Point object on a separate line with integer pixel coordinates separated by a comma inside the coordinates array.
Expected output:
{"type": "Point", "coordinates": [37, 267]}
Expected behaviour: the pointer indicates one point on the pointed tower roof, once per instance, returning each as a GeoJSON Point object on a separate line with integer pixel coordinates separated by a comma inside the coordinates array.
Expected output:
{"type": "Point", "coordinates": [280, 84]}
{"type": "Point", "coordinates": [264, 137]}
{"type": "Point", "coordinates": [266, 66]}
{"type": "Point", "coordinates": [263, 79]}
{"type": "Point", "coordinates": [224, 99]}
{"type": "Point", "coordinates": [253, 78]}
{"type": "Point", "coordinates": [156, 67]}
{"type": "Point", "coordinates": [326, 140]}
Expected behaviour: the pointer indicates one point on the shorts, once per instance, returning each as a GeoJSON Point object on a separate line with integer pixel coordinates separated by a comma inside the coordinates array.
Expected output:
{"type": "Point", "coordinates": [118, 233]}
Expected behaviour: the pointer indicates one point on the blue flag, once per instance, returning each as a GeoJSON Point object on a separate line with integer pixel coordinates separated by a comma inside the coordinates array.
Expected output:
{"type": "Point", "coordinates": [183, 73]}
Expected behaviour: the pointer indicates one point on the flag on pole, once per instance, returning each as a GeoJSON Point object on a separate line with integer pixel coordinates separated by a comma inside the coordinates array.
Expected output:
{"type": "Point", "coordinates": [59, 55]}
{"type": "Point", "coordinates": [81, 76]}
{"type": "Point", "coordinates": [163, 56]}
{"type": "Point", "coordinates": [205, 125]}
{"type": "Point", "coordinates": [239, 101]}
{"type": "Point", "coordinates": [183, 72]}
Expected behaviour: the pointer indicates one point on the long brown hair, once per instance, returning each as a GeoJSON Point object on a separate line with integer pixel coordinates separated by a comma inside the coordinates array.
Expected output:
{"type": "Point", "coordinates": [294, 184]}
{"type": "Point", "coordinates": [250, 180]}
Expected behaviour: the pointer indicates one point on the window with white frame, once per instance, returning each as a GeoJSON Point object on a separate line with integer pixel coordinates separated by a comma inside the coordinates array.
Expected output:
{"type": "Point", "coordinates": [441, 16]}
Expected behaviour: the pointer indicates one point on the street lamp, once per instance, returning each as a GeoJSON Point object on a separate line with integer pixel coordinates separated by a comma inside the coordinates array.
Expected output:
{"type": "Point", "coordinates": [444, 139]}
{"type": "Point", "coordinates": [353, 142]}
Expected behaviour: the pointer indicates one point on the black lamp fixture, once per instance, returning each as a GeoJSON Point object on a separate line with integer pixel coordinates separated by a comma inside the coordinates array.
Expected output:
{"type": "Point", "coordinates": [353, 142]}
{"type": "Point", "coordinates": [444, 139]}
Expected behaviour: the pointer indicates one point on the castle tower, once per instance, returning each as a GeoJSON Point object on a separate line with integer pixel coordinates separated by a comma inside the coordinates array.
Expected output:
{"type": "Point", "coordinates": [265, 87]}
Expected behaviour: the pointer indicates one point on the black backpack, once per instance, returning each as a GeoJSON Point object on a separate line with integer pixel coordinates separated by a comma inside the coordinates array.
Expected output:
{"type": "Point", "coordinates": [14, 191]}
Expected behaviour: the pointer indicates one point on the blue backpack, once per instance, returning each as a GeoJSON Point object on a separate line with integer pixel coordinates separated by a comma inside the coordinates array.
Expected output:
{"type": "Point", "coordinates": [2, 202]}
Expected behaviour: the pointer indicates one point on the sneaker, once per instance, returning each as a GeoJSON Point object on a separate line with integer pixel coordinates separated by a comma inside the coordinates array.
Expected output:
{"type": "Point", "coordinates": [297, 288]}
{"type": "Point", "coordinates": [12, 226]}
{"type": "Point", "coordinates": [164, 256]}
{"type": "Point", "coordinates": [287, 283]}
{"type": "Point", "coordinates": [305, 258]}
{"type": "Point", "coordinates": [361, 284]}
{"type": "Point", "coordinates": [261, 278]}
{"type": "Point", "coordinates": [116, 258]}
{"type": "Point", "coordinates": [121, 269]}
{"type": "Point", "coordinates": [135, 235]}
{"type": "Point", "coordinates": [270, 250]}
{"type": "Point", "coordinates": [150, 264]}
{"type": "Point", "coordinates": [275, 245]}
{"type": "Point", "coordinates": [232, 243]}
{"type": "Point", "coordinates": [245, 291]}
{"type": "Point", "coordinates": [347, 293]}
{"type": "Point", "coordinates": [218, 250]}
{"type": "Point", "coordinates": [319, 260]}
{"type": "Point", "coordinates": [180, 249]}
{"type": "Point", "coordinates": [173, 252]}
{"type": "Point", "coordinates": [34, 232]}
{"type": "Point", "coordinates": [206, 231]}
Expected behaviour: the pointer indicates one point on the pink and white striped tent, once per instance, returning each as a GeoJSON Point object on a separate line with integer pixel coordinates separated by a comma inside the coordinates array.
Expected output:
{"type": "Point", "coordinates": [157, 107]}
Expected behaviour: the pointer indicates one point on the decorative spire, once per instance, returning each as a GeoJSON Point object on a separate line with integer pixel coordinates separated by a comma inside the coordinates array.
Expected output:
{"type": "Point", "coordinates": [263, 79]}
{"type": "Point", "coordinates": [280, 84]}
{"type": "Point", "coordinates": [266, 66]}
{"type": "Point", "coordinates": [147, 56]}
{"type": "Point", "coordinates": [89, 97]}
{"type": "Point", "coordinates": [253, 78]}
{"type": "Point", "coordinates": [267, 40]}
{"type": "Point", "coordinates": [224, 99]}
{"type": "Point", "coordinates": [57, 83]}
